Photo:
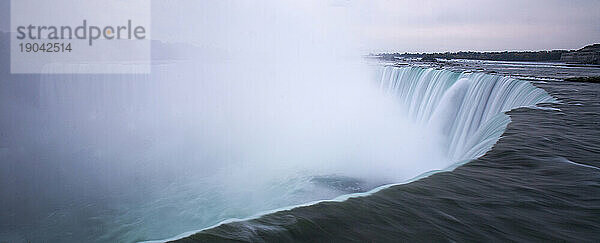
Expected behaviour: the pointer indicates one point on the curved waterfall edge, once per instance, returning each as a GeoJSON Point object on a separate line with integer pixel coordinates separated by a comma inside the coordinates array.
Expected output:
{"type": "Point", "coordinates": [451, 167]}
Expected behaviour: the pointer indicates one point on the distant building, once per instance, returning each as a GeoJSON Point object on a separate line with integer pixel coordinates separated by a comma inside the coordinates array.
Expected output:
{"type": "Point", "coordinates": [588, 55]}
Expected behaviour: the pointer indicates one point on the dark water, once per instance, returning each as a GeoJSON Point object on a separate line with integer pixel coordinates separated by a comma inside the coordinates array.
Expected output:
{"type": "Point", "coordinates": [540, 182]}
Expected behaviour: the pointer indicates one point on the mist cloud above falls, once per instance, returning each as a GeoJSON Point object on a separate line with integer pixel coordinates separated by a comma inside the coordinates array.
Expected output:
{"type": "Point", "coordinates": [273, 93]}
{"type": "Point", "coordinates": [289, 88]}
{"type": "Point", "coordinates": [282, 92]}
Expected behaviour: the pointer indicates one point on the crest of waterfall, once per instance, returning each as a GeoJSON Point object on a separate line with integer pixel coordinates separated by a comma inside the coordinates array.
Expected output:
{"type": "Point", "coordinates": [467, 108]}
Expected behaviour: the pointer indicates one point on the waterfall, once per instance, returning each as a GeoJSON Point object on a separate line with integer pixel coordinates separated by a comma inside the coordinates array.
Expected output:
{"type": "Point", "coordinates": [467, 108]}
{"type": "Point", "coordinates": [192, 144]}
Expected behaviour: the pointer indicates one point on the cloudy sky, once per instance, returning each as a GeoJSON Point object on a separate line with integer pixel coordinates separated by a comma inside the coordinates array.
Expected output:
{"type": "Point", "coordinates": [414, 26]}
{"type": "Point", "coordinates": [383, 25]}
{"type": "Point", "coordinates": [429, 25]}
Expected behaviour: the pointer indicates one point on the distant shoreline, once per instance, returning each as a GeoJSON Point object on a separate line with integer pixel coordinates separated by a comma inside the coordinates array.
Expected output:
{"type": "Point", "coordinates": [586, 55]}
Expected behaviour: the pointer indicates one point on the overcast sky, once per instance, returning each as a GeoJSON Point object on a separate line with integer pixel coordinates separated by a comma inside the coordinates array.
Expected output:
{"type": "Point", "coordinates": [416, 26]}
{"type": "Point", "coordinates": [384, 25]}
{"type": "Point", "coordinates": [428, 25]}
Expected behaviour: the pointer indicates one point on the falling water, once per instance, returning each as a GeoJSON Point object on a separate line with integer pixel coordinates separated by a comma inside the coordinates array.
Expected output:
{"type": "Point", "coordinates": [192, 145]}
{"type": "Point", "coordinates": [467, 108]}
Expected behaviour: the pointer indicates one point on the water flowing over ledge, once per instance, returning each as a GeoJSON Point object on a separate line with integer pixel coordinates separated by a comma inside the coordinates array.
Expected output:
{"type": "Point", "coordinates": [467, 108]}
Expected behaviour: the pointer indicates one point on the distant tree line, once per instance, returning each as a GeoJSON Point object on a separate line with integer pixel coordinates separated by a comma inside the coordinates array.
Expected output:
{"type": "Point", "coordinates": [492, 56]}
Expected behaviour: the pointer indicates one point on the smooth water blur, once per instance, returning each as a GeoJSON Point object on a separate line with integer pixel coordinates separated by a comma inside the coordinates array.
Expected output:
{"type": "Point", "coordinates": [142, 157]}
{"type": "Point", "coordinates": [241, 114]}
{"type": "Point", "coordinates": [540, 182]}
{"type": "Point", "coordinates": [246, 107]}
{"type": "Point", "coordinates": [139, 157]}
{"type": "Point", "coordinates": [466, 109]}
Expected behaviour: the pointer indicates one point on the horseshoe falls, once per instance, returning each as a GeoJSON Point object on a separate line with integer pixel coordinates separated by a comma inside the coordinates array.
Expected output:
{"type": "Point", "coordinates": [150, 157]}
{"type": "Point", "coordinates": [165, 164]}
{"type": "Point", "coordinates": [467, 108]}
{"type": "Point", "coordinates": [299, 121]}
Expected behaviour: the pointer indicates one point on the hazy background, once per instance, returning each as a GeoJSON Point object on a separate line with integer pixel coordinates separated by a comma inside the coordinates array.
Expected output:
{"type": "Point", "coordinates": [400, 25]}
{"type": "Point", "coordinates": [413, 26]}
{"type": "Point", "coordinates": [270, 95]}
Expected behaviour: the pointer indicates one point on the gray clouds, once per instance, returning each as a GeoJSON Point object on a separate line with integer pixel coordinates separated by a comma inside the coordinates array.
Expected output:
{"type": "Point", "coordinates": [382, 25]}
{"type": "Point", "coordinates": [476, 25]}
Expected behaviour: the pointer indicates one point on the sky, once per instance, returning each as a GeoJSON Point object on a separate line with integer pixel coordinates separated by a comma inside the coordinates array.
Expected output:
{"type": "Point", "coordinates": [383, 25]}
{"type": "Point", "coordinates": [482, 25]}
{"type": "Point", "coordinates": [424, 25]}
